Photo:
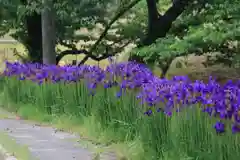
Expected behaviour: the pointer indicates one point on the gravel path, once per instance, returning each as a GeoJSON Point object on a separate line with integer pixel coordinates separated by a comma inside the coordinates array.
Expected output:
{"type": "Point", "coordinates": [2, 157]}
{"type": "Point", "coordinates": [45, 143]}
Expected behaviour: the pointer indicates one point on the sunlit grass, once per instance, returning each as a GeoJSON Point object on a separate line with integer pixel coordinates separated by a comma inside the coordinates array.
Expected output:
{"type": "Point", "coordinates": [6, 115]}
{"type": "Point", "coordinates": [108, 122]}
{"type": "Point", "coordinates": [93, 137]}
{"type": "Point", "coordinates": [19, 151]}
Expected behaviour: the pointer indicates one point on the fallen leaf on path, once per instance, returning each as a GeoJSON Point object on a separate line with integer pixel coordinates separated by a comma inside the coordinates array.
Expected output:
{"type": "Point", "coordinates": [18, 118]}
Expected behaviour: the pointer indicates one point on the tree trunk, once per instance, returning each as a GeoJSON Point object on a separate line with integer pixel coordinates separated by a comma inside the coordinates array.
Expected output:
{"type": "Point", "coordinates": [48, 33]}
{"type": "Point", "coordinates": [165, 66]}
{"type": "Point", "coordinates": [159, 25]}
{"type": "Point", "coordinates": [33, 40]}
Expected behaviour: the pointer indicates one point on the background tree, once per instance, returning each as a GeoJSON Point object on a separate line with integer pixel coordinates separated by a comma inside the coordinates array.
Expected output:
{"type": "Point", "coordinates": [162, 30]}
{"type": "Point", "coordinates": [196, 27]}
{"type": "Point", "coordinates": [24, 19]}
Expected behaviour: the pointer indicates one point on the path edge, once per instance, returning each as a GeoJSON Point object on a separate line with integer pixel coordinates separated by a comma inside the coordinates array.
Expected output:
{"type": "Point", "coordinates": [6, 154]}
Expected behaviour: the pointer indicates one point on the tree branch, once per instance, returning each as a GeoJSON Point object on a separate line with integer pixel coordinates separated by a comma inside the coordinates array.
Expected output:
{"type": "Point", "coordinates": [72, 46]}
{"type": "Point", "coordinates": [83, 51]}
{"type": "Point", "coordinates": [113, 20]}
{"type": "Point", "coordinates": [165, 67]}
{"type": "Point", "coordinates": [104, 33]}
{"type": "Point", "coordinates": [89, 54]}
{"type": "Point", "coordinates": [72, 52]}
{"type": "Point", "coordinates": [178, 6]}
{"type": "Point", "coordinates": [83, 60]}
{"type": "Point", "coordinates": [159, 25]}
{"type": "Point", "coordinates": [75, 51]}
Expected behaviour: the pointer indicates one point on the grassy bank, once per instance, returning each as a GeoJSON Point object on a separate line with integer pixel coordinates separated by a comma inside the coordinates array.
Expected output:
{"type": "Point", "coordinates": [120, 122]}
{"type": "Point", "coordinates": [14, 149]}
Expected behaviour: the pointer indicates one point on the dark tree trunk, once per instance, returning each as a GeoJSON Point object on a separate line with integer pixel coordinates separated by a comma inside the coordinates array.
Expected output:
{"type": "Point", "coordinates": [165, 66]}
{"type": "Point", "coordinates": [159, 25]}
{"type": "Point", "coordinates": [33, 40]}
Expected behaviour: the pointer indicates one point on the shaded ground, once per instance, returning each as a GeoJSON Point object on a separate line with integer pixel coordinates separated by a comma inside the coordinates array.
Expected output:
{"type": "Point", "coordinates": [47, 143]}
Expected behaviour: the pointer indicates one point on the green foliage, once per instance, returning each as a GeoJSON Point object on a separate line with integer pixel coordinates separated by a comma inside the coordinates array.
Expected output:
{"type": "Point", "coordinates": [188, 135]}
{"type": "Point", "coordinates": [202, 27]}
{"type": "Point", "coordinates": [210, 27]}
{"type": "Point", "coordinates": [135, 28]}
{"type": "Point", "coordinates": [70, 17]}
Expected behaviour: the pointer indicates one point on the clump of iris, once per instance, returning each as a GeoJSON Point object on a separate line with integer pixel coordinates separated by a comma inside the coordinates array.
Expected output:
{"type": "Point", "coordinates": [162, 95]}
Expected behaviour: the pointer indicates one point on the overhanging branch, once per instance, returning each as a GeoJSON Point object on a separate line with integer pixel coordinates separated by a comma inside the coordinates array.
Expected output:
{"type": "Point", "coordinates": [88, 54]}
{"type": "Point", "coordinates": [72, 46]}
{"type": "Point", "coordinates": [113, 20]}
{"type": "Point", "coordinates": [159, 25]}
{"type": "Point", "coordinates": [72, 52]}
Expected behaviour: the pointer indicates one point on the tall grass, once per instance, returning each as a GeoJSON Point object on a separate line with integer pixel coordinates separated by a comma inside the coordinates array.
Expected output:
{"type": "Point", "coordinates": [186, 135]}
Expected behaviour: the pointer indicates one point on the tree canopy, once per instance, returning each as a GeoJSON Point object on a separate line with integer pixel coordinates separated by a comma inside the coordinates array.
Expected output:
{"type": "Point", "coordinates": [201, 28]}
{"type": "Point", "coordinates": [162, 29]}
